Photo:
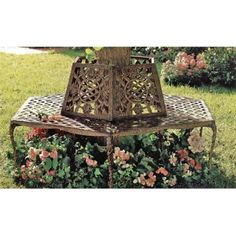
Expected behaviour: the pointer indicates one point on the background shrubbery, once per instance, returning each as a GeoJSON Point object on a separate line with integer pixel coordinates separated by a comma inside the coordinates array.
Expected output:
{"type": "Point", "coordinates": [220, 66]}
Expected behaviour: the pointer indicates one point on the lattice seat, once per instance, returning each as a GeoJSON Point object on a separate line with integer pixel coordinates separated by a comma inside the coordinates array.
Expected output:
{"type": "Point", "coordinates": [181, 113]}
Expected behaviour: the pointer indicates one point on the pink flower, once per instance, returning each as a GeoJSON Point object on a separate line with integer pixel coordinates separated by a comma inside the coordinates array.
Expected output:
{"type": "Point", "coordinates": [91, 162]}
{"type": "Point", "coordinates": [44, 154]}
{"type": "Point", "coordinates": [192, 62]}
{"type": "Point", "coordinates": [121, 155]}
{"type": "Point", "coordinates": [182, 66]}
{"type": "Point", "coordinates": [200, 64]}
{"type": "Point", "coordinates": [27, 163]}
{"type": "Point", "coordinates": [54, 154]}
{"type": "Point", "coordinates": [150, 181]}
{"type": "Point", "coordinates": [22, 168]}
{"type": "Point", "coordinates": [32, 153]}
{"type": "Point", "coordinates": [51, 172]}
{"type": "Point", "coordinates": [191, 162]}
{"type": "Point", "coordinates": [198, 166]}
{"type": "Point", "coordinates": [189, 73]}
{"type": "Point", "coordinates": [162, 170]}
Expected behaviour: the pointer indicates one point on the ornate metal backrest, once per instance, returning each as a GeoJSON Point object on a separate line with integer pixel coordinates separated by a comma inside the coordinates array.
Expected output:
{"type": "Point", "coordinates": [114, 88]}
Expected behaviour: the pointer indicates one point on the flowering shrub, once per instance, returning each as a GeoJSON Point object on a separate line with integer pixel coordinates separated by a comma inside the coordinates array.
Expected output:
{"type": "Point", "coordinates": [61, 160]}
{"type": "Point", "coordinates": [186, 69]}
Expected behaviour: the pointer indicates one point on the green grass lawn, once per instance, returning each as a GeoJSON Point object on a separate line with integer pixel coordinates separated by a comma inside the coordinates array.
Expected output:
{"type": "Point", "coordinates": [22, 76]}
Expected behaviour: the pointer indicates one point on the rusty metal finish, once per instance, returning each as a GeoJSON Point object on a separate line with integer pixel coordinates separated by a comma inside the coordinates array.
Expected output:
{"type": "Point", "coordinates": [214, 132]}
{"type": "Point", "coordinates": [89, 91]}
{"type": "Point", "coordinates": [116, 86]}
{"type": "Point", "coordinates": [137, 92]}
{"type": "Point", "coordinates": [11, 133]}
{"type": "Point", "coordinates": [110, 159]}
{"type": "Point", "coordinates": [182, 112]}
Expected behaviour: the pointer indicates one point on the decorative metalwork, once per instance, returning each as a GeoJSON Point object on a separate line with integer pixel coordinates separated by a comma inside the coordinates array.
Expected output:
{"type": "Point", "coordinates": [113, 88]}
{"type": "Point", "coordinates": [182, 112]}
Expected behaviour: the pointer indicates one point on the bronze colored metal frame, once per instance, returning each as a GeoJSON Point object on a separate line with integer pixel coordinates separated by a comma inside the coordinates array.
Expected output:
{"type": "Point", "coordinates": [124, 87]}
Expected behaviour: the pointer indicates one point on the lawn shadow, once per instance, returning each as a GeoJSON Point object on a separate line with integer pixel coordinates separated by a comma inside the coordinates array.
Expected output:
{"type": "Point", "coordinates": [70, 52]}
{"type": "Point", "coordinates": [216, 178]}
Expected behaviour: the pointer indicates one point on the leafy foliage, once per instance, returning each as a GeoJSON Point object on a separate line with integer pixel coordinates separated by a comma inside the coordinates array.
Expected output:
{"type": "Point", "coordinates": [60, 160]}
{"type": "Point", "coordinates": [163, 54]}
{"type": "Point", "coordinates": [221, 65]}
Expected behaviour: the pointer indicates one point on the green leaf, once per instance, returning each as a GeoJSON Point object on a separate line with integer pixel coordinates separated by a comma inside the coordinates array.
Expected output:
{"type": "Point", "coordinates": [66, 160]}
{"type": "Point", "coordinates": [97, 172]}
{"type": "Point", "coordinates": [48, 164]}
{"type": "Point", "coordinates": [49, 178]}
{"type": "Point", "coordinates": [61, 173]}
{"type": "Point", "coordinates": [100, 148]}
{"type": "Point", "coordinates": [67, 170]}
{"type": "Point", "coordinates": [97, 48]}
{"type": "Point", "coordinates": [54, 163]}
{"type": "Point", "coordinates": [89, 51]}
{"type": "Point", "coordinates": [89, 147]}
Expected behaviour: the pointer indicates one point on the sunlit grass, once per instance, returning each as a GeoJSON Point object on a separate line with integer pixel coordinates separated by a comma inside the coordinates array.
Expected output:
{"type": "Point", "coordinates": [22, 76]}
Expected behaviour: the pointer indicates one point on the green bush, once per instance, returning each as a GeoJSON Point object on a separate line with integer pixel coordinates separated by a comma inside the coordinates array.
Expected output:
{"type": "Point", "coordinates": [61, 160]}
{"type": "Point", "coordinates": [221, 65]}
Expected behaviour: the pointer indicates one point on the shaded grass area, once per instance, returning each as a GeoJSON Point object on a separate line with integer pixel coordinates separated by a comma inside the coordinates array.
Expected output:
{"type": "Point", "coordinates": [22, 76]}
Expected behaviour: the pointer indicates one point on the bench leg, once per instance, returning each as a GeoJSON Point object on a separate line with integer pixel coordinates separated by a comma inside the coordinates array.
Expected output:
{"type": "Point", "coordinates": [11, 132]}
{"type": "Point", "coordinates": [214, 132]}
{"type": "Point", "coordinates": [110, 159]}
{"type": "Point", "coordinates": [201, 130]}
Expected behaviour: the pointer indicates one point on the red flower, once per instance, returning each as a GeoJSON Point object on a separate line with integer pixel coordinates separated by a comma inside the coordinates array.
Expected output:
{"type": "Point", "coordinates": [183, 154]}
{"type": "Point", "coordinates": [198, 166]}
{"type": "Point", "coordinates": [44, 154]}
{"type": "Point", "coordinates": [41, 133]}
{"type": "Point", "coordinates": [191, 161]}
{"type": "Point", "coordinates": [54, 154]}
{"type": "Point", "coordinates": [32, 153]}
{"type": "Point", "coordinates": [162, 170]}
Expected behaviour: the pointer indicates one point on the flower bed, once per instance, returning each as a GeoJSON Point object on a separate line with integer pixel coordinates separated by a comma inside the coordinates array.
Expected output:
{"type": "Point", "coordinates": [60, 160]}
